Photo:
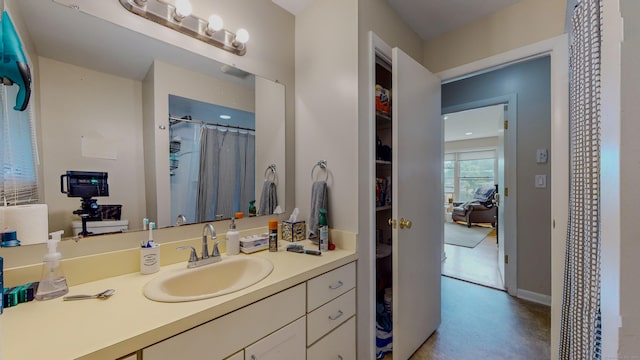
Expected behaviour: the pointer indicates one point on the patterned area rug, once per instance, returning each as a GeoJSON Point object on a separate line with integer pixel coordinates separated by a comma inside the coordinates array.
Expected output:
{"type": "Point", "coordinates": [461, 235]}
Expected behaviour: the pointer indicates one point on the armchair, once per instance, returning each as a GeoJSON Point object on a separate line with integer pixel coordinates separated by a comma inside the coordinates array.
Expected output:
{"type": "Point", "coordinates": [480, 209]}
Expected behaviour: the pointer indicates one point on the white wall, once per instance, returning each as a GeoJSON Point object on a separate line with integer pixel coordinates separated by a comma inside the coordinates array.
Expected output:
{"type": "Point", "coordinates": [77, 102]}
{"type": "Point", "coordinates": [525, 22]}
{"type": "Point", "coordinates": [619, 149]}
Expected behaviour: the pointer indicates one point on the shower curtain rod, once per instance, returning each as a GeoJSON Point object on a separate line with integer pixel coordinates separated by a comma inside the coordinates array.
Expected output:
{"type": "Point", "coordinates": [174, 120]}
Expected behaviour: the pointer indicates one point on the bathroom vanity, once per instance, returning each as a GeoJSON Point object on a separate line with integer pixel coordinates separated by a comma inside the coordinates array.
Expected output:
{"type": "Point", "coordinates": [305, 304]}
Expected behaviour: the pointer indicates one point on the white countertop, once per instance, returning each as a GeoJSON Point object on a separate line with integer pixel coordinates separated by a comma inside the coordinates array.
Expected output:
{"type": "Point", "coordinates": [128, 321]}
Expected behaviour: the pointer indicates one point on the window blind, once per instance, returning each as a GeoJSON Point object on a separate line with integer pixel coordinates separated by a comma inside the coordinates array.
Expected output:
{"type": "Point", "coordinates": [18, 151]}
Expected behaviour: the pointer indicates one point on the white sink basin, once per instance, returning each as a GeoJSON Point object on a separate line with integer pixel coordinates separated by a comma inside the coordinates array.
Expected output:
{"type": "Point", "coordinates": [224, 277]}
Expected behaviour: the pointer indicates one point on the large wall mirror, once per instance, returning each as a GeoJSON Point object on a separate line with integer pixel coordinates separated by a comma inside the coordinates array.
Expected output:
{"type": "Point", "coordinates": [110, 99]}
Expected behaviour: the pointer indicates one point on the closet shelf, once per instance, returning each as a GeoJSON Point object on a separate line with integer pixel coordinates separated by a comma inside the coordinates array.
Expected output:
{"type": "Point", "coordinates": [383, 162]}
{"type": "Point", "coordinates": [382, 208]}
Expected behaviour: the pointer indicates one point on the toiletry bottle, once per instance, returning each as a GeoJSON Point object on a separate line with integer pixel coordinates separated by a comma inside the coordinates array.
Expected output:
{"type": "Point", "coordinates": [273, 235]}
{"type": "Point", "coordinates": [233, 239]}
{"type": "Point", "coordinates": [53, 283]}
{"type": "Point", "coordinates": [323, 229]}
{"type": "Point", "coordinates": [252, 208]}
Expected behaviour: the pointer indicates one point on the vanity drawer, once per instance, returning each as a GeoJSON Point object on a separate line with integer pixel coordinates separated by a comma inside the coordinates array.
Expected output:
{"type": "Point", "coordinates": [339, 344]}
{"type": "Point", "coordinates": [323, 288]}
{"type": "Point", "coordinates": [330, 316]}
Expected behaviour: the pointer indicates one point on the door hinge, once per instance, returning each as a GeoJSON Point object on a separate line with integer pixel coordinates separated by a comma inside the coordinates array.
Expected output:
{"type": "Point", "coordinates": [506, 191]}
{"type": "Point", "coordinates": [506, 124]}
{"type": "Point", "coordinates": [506, 259]}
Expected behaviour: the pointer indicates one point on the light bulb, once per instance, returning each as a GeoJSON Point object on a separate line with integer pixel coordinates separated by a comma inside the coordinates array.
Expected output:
{"type": "Point", "coordinates": [215, 24]}
{"type": "Point", "coordinates": [242, 36]}
{"type": "Point", "coordinates": [183, 9]}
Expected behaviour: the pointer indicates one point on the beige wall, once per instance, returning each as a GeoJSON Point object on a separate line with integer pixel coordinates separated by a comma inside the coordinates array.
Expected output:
{"type": "Point", "coordinates": [326, 107]}
{"type": "Point", "coordinates": [523, 23]}
{"type": "Point", "coordinates": [78, 102]}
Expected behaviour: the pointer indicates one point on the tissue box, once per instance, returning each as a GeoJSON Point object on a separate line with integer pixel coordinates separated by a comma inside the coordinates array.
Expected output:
{"type": "Point", "coordinates": [294, 231]}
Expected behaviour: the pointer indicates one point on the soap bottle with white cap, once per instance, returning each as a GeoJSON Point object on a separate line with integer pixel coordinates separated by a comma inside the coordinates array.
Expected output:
{"type": "Point", "coordinates": [53, 283]}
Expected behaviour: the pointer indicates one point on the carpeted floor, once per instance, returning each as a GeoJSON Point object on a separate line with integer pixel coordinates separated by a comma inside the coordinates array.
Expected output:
{"type": "Point", "coordinates": [461, 235]}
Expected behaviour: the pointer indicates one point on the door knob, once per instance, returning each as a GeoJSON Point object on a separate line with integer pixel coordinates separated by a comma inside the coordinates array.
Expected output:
{"type": "Point", "coordinates": [392, 223]}
{"type": "Point", "coordinates": [404, 223]}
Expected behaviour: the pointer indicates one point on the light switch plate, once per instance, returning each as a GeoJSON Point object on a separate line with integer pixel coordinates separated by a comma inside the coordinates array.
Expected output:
{"type": "Point", "coordinates": [542, 156]}
{"type": "Point", "coordinates": [541, 181]}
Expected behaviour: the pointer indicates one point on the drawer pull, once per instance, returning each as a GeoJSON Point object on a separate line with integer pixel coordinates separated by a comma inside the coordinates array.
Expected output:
{"type": "Point", "coordinates": [336, 285]}
{"type": "Point", "coordinates": [336, 316]}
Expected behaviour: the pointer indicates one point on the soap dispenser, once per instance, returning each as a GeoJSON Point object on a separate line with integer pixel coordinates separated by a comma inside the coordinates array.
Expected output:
{"type": "Point", "coordinates": [53, 283]}
{"type": "Point", "coordinates": [233, 239]}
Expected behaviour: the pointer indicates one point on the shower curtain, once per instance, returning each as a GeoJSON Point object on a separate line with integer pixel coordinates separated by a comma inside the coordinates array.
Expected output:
{"type": "Point", "coordinates": [226, 173]}
{"type": "Point", "coordinates": [580, 321]}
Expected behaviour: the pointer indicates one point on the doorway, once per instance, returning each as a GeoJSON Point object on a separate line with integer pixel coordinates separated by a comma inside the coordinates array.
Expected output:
{"type": "Point", "coordinates": [474, 176]}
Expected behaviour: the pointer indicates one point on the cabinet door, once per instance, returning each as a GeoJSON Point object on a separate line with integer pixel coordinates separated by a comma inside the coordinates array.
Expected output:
{"type": "Point", "coordinates": [340, 344]}
{"type": "Point", "coordinates": [417, 197]}
{"type": "Point", "coordinates": [286, 343]}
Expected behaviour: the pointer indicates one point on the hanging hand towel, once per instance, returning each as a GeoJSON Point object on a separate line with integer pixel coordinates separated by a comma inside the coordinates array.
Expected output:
{"type": "Point", "coordinates": [268, 199]}
{"type": "Point", "coordinates": [319, 199]}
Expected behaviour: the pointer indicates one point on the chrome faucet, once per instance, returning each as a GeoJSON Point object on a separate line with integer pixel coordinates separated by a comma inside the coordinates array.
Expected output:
{"type": "Point", "coordinates": [181, 220]}
{"type": "Point", "coordinates": [205, 248]}
{"type": "Point", "coordinates": [194, 261]}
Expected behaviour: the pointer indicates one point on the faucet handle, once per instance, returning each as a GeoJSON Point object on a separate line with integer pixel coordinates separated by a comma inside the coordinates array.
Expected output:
{"type": "Point", "coordinates": [194, 256]}
{"type": "Point", "coordinates": [215, 252]}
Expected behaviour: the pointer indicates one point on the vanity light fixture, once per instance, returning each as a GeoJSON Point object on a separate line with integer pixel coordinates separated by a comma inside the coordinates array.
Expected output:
{"type": "Point", "coordinates": [179, 17]}
{"type": "Point", "coordinates": [225, 117]}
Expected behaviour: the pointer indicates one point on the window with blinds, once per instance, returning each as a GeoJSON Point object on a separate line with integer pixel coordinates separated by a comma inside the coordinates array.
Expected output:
{"type": "Point", "coordinates": [18, 151]}
{"type": "Point", "coordinates": [465, 171]}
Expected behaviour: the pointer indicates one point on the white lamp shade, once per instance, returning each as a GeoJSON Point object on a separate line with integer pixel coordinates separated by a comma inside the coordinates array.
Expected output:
{"type": "Point", "coordinates": [242, 36]}
{"type": "Point", "coordinates": [183, 8]}
{"type": "Point", "coordinates": [215, 23]}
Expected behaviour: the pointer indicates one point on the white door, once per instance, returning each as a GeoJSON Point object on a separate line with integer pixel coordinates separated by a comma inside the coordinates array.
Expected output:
{"type": "Point", "coordinates": [499, 198]}
{"type": "Point", "coordinates": [417, 194]}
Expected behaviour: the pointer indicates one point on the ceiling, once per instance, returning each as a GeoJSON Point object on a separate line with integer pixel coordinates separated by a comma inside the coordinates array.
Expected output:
{"type": "Point", "coordinates": [428, 18]}
{"type": "Point", "coordinates": [473, 124]}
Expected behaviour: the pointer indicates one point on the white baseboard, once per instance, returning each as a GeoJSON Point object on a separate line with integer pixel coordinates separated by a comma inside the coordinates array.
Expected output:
{"type": "Point", "coordinates": [535, 297]}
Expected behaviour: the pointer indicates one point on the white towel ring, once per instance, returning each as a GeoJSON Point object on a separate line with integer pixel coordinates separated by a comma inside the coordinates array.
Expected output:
{"type": "Point", "coordinates": [270, 169]}
{"type": "Point", "coordinates": [323, 165]}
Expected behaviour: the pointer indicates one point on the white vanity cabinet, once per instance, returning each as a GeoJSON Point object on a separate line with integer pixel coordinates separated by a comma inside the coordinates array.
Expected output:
{"type": "Point", "coordinates": [286, 343]}
{"type": "Point", "coordinates": [314, 320]}
{"type": "Point", "coordinates": [331, 309]}
{"type": "Point", "coordinates": [230, 333]}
